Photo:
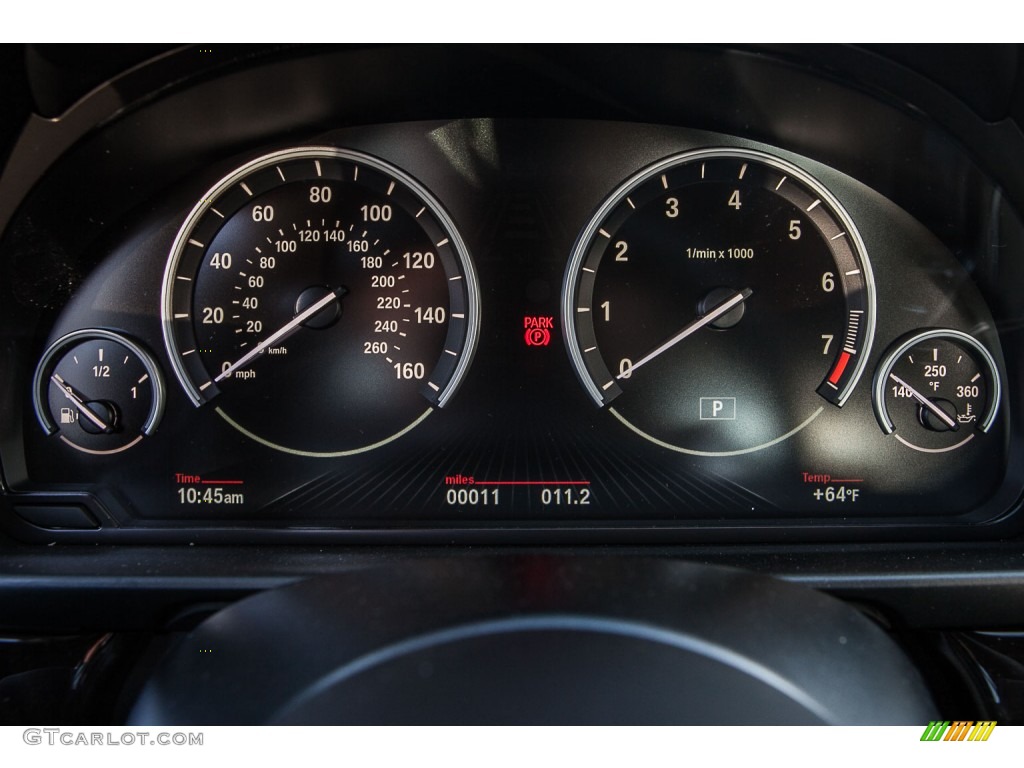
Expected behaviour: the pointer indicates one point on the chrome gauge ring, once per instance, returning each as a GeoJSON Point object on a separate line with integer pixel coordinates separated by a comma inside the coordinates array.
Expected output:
{"type": "Point", "coordinates": [321, 300]}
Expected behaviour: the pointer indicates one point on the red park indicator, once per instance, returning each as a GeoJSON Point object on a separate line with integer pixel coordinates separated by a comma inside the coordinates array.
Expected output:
{"type": "Point", "coordinates": [538, 329]}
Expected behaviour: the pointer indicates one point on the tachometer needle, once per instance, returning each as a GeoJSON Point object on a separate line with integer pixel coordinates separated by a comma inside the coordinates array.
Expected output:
{"type": "Point", "coordinates": [715, 313]}
{"type": "Point", "coordinates": [80, 404]}
{"type": "Point", "coordinates": [282, 333]}
{"type": "Point", "coordinates": [943, 416]}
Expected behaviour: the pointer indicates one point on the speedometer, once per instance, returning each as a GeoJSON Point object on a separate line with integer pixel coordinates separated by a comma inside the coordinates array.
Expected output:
{"type": "Point", "coordinates": [321, 301]}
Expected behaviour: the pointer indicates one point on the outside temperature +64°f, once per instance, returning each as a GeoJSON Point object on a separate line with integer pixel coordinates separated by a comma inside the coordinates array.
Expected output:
{"type": "Point", "coordinates": [829, 490]}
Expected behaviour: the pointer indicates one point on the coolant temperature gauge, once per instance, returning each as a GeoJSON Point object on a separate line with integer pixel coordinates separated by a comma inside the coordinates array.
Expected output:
{"type": "Point", "coordinates": [98, 391]}
{"type": "Point", "coordinates": [937, 391]}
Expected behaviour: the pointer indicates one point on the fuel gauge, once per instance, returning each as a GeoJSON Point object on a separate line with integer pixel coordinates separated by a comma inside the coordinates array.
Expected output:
{"type": "Point", "coordinates": [100, 392]}
{"type": "Point", "coordinates": [937, 391]}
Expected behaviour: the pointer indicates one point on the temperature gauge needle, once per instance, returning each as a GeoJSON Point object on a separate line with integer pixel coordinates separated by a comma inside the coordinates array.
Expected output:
{"type": "Point", "coordinates": [941, 414]}
{"type": "Point", "coordinates": [80, 404]}
{"type": "Point", "coordinates": [282, 333]}
{"type": "Point", "coordinates": [716, 312]}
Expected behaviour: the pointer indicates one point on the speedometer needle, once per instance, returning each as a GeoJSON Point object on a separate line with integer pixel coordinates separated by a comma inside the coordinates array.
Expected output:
{"type": "Point", "coordinates": [716, 312]}
{"type": "Point", "coordinates": [943, 416]}
{"type": "Point", "coordinates": [282, 333]}
{"type": "Point", "coordinates": [80, 404]}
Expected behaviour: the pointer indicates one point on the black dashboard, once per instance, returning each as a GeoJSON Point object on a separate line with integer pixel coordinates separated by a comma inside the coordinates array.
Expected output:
{"type": "Point", "coordinates": [268, 312]}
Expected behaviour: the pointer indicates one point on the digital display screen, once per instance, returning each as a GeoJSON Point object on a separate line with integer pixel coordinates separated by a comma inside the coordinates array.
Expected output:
{"type": "Point", "coordinates": [414, 332]}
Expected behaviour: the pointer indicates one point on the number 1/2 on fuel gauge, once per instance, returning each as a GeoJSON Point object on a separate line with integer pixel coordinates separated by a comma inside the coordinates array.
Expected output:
{"type": "Point", "coordinates": [98, 391]}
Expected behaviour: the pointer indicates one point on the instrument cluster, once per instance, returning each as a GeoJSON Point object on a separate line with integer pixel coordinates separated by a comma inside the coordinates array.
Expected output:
{"type": "Point", "coordinates": [546, 327]}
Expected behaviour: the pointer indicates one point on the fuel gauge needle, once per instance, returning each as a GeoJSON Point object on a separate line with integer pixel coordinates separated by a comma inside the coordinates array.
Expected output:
{"type": "Point", "coordinates": [80, 404]}
{"type": "Point", "coordinates": [943, 416]}
{"type": "Point", "coordinates": [716, 312]}
{"type": "Point", "coordinates": [282, 333]}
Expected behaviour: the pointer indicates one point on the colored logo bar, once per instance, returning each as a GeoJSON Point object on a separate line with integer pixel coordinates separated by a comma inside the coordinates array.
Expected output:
{"type": "Point", "coordinates": [958, 730]}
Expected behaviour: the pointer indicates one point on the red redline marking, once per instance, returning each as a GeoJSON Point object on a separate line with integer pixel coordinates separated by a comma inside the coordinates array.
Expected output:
{"type": "Point", "coordinates": [837, 372]}
{"type": "Point", "coordinates": [221, 482]}
{"type": "Point", "coordinates": [531, 482]}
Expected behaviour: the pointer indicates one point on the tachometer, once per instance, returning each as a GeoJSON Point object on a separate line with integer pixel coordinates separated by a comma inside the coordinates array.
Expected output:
{"type": "Point", "coordinates": [718, 301]}
{"type": "Point", "coordinates": [321, 300]}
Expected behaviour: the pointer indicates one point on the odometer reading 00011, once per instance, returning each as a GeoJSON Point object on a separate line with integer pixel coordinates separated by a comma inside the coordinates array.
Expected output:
{"type": "Point", "coordinates": [718, 301]}
{"type": "Point", "coordinates": [321, 300]}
